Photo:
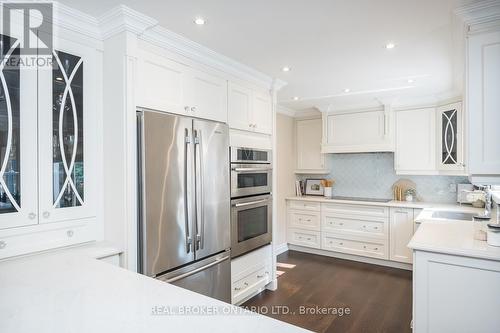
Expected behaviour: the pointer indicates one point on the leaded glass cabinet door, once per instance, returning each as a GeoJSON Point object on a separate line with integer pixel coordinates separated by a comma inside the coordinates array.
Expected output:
{"type": "Point", "coordinates": [67, 134]}
{"type": "Point", "coordinates": [18, 127]}
{"type": "Point", "coordinates": [450, 137]}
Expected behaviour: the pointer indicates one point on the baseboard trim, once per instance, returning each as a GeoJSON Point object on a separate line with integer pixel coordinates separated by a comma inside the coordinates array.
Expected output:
{"type": "Point", "coordinates": [279, 249]}
{"type": "Point", "coordinates": [373, 261]}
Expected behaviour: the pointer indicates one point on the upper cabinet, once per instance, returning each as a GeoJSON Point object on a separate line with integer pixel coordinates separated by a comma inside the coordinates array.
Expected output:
{"type": "Point", "coordinates": [310, 160]}
{"type": "Point", "coordinates": [249, 109]}
{"type": "Point", "coordinates": [354, 132]}
{"type": "Point", "coordinates": [170, 86]}
{"type": "Point", "coordinates": [415, 142]}
{"type": "Point", "coordinates": [450, 136]}
{"type": "Point", "coordinates": [483, 107]}
{"type": "Point", "coordinates": [48, 147]}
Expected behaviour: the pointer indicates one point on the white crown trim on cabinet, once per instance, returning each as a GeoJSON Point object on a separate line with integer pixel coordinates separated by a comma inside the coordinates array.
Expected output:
{"type": "Point", "coordinates": [480, 16]}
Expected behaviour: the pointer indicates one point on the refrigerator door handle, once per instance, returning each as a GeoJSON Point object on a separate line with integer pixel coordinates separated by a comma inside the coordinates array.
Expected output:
{"type": "Point", "coordinates": [200, 225]}
{"type": "Point", "coordinates": [197, 270]}
{"type": "Point", "coordinates": [187, 142]}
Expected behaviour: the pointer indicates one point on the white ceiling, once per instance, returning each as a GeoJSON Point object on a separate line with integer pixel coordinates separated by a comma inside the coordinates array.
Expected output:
{"type": "Point", "coordinates": [329, 44]}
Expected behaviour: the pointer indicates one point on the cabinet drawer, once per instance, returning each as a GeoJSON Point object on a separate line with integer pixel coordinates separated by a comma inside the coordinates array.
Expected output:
{"type": "Point", "coordinates": [301, 219]}
{"type": "Point", "coordinates": [352, 246]}
{"type": "Point", "coordinates": [304, 238]}
{"type": "Point", "coordinates": [304, 205]}
{"type": "Point", "coordinates": [348, 209]}
{"type": "Point", "coordinates": [249, 284]}
{"type": "Point", "coordinates": [366, 227]}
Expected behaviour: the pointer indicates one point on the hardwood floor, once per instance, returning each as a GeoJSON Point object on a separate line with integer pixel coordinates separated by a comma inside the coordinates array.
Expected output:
{"type": "Point", "coordinates": [379, 298]}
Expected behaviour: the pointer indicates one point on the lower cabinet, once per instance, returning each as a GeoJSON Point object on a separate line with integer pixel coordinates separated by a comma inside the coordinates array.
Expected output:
{"type": "Point", "coordinates": [401, 231]}
{"type": "Point", "coordinates": [455, 294]}
{"type": "Point", "coordinates": [373, 231]}
{"type": "Point", "coordinates": [250, 273]}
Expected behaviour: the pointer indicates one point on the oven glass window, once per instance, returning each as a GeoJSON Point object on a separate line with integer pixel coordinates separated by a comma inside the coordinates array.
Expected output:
{"type": "Point", "coordinates": [252, 179]}
{"type": "Point", "coordinates": [252, 155]}
{"type": "Point", "coordinates": [252, 223]}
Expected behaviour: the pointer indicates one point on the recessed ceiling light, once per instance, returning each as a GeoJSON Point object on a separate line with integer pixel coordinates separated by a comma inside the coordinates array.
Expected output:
{"type": "Point", "coordinates": [411, 80]}
{"type": "Point", "coordinates": [199, 21]}
{"type": "Point", "coordinates": [390, 45]}
{"type": "Point", "coordinates": [296, 98]}
{"type": "Point", "coordinates": [346, 90]}
{"type": "Point", "coordinates": [286, 69]}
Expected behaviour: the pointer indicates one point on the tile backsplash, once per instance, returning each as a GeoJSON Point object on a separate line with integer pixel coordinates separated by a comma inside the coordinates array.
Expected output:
{"type": "Point", "coordinates": [371, 175]}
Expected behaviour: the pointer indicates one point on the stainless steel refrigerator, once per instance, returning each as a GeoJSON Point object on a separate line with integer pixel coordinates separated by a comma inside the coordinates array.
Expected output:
{"type": "Point", "coordinates": [184, 215]}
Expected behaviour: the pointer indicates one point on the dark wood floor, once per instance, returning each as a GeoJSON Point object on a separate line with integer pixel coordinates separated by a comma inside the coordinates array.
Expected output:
{"type": "Point", "coordinates": [379, 298]}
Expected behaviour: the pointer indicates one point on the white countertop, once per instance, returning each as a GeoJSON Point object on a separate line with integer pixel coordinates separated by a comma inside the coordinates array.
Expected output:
{"type": "Point", "coordinates": [392, 203]}
{"type": "Point", "coordinates": [451, 237]}
{"type": "Point", "coordinates": [71, 291]}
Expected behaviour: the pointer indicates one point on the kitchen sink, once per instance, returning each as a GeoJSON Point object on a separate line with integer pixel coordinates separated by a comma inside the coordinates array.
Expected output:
{"type": "Point", "coordinates": [450, 215]}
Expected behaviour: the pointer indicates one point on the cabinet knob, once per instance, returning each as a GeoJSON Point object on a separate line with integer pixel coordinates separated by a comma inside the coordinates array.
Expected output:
{"type": "Point", "coordinates": [250, 125]}
{"type": "Point", "coordinates": [376, 248]}
{"type": "Point", "coordinates": [341, 243]}
{"type": "Point", "coordinates": [193, 109]}
{"type": "Point", "coordinates": [246, 283]}
{"type": "Point", "coordinates": [2, 245]}
{"type": "Point", "coordinates": [31, 216]}
{"type": "Point", "coordinates": [46, 214]}
{"type": "Point", "coordinates": [308, 238]}
{"type": "Point", "coordinates": [254, 125]}
{"type": "Point", "coordinates": [186, 108]}
{"type": "Point", "coordinates": [70, 233]}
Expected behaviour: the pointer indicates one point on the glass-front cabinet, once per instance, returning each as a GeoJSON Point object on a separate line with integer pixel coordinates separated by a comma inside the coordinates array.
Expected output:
{"type": "Point", "coordinates": [450, 138]}
{"type": "Point", "coordinates": [48, 146]}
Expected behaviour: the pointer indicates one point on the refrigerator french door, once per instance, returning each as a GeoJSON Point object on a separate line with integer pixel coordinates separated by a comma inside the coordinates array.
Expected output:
{"type": "Point", "coordinates": [184, 215]}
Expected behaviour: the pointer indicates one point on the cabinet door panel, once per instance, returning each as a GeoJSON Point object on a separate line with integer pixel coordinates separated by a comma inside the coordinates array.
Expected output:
{"type": "Point", "coordinates": [308, 143]}
{"type": "Point", "coordinates": [450, 137]}
{"type": "Point", "coordinates": [67, 136]}
{"type": "Point", "coordinates": [401, 231]}
{"type": "Point", "coordinates": [262, 114]}
{"type": "Point", "coordinates": [207, 96]}
{"type": "Point", "coordinates": [484, 104]}
{"type": "Point", "coordinates": [239, 106]}
{"type": "Point", "coordinates": [161, 84]}
{"type": "Point", "coordinates": [18, 153]}
{"type": "Point", "coordinates": [415, 141]}
{"type": "Point", "coordinates": [369, 128]}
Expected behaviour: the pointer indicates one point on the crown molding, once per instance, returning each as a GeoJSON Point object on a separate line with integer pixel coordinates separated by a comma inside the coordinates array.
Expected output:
{"type": "Point", "coordinates": [286, 111]}
{"type": "Point", "coordinates": [122, 18]}
{"type": "Point", "coordinates": [480, 15]}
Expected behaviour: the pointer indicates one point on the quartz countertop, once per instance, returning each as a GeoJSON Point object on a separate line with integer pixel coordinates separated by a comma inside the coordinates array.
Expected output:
{"type": "Point", "coordinates": [71, 291]}
{"type": "Point", "coordinates": [391, 203]}
{"type": "Point", "coordinates": [449, 236]}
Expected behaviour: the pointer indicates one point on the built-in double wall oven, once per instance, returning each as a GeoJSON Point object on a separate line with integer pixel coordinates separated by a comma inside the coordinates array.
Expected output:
{"type": "Point", "coordinates": [251, 199]}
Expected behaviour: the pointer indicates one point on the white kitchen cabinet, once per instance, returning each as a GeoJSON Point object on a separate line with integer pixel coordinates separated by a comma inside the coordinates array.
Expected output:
{"type": "Point", "coordinates": [401, 231]}
{"type": "Point", "coordinates": [308, 135]}
{"type": "Point", "coordinates": [206, 96]}
{"type": "Point", "coordinates": [262, 113]}
{"type": "Point", "coordinates": [455, 293]}
{"type": "Point", "coordinates": [49, 146]}
{"type": "Point", "coordinates": [162, 84]}
{"type": "Point", "coordinates": [415, 142]}
{"type": "Point", "coordinates": [169, 86]}
{"type": "Point", "coordinates": [353, 132]}
{"type": "Point", "coordinates": [249, 109]}
{"type": "Point", "coordinates": [449, 138]}
{"type": "Point", "coordinates": [483, 105]}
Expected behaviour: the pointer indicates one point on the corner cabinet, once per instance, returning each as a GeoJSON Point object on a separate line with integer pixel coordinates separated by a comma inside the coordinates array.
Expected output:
{"type": "Point", "coordinates": [48, 149]}
{"type": "Point", "coordinates": [249, 109]}
{"type": "Point", "coordinates": [483, 107]}
{"type": "Point", "coordinates": [356, 132]}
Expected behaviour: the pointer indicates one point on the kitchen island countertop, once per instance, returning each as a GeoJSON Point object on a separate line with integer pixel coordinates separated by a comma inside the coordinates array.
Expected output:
{"type": "Point", "coordinates": [71, 291]}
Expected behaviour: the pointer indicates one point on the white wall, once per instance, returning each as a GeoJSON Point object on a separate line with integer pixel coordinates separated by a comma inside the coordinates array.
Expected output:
{"type": "Point", "coordinates": [285, 166]}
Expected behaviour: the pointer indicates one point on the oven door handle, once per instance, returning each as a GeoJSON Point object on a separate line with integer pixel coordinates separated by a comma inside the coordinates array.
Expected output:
{"type": "Point", "coordinates": [250, 169]}
{"type": "Point", "coordinates": [243, 204]}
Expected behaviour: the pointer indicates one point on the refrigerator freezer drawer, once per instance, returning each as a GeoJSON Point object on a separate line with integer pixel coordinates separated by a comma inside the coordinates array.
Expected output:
{"type": "Point", "coordinates": [210, 277]}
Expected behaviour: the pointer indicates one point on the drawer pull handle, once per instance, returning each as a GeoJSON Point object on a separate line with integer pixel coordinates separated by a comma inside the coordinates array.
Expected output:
{"type": "Point", "coordinates": [308, 220]}
{"type": "Point", "coordinates": [376, 248]}
{"type": "Point", "coordinates": [260, 276]}
{"type": "Point", "coordinates": [2, 245]}
{"type": "Point", "coordinates": [376, 228]}
{"type": "Point", "coordinates": [364, 246]}
{"type": "Point", "coordinates": [308, 238]}
{"type": "Point", "coordinates": [341, 243]}
{"type": "Point", "coordinates": [70, 233]}
{"type": "Point", "coordinates": [246, 284]}
{"type": "Point", "coordinates": [341, 223]}
{"type": "Point", "coordinates": [237, 288]}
